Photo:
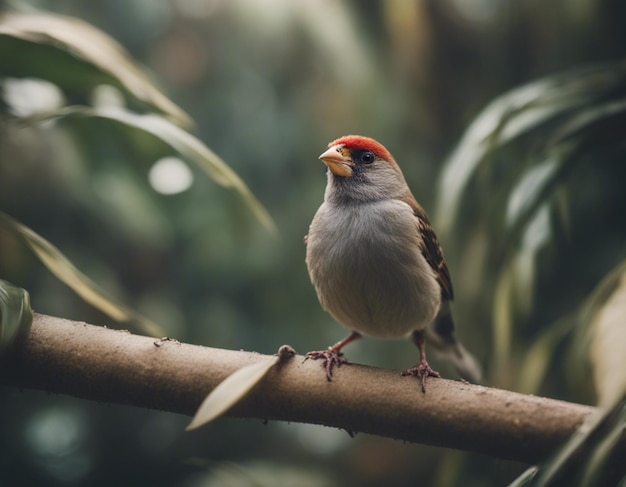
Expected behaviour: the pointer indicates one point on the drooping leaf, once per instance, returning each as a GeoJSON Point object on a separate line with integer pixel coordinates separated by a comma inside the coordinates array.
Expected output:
{"type": "Point", "coordinates": [536, 235]}
{"type": "Point", "coordinates": [586, 119]}
{"type": "Point", "coordinates": [231, 390]}
{"type": "Point", "coordinates": [525, 478]}
{"type": "Point", "coordinates": [513, 294]}
{"type": "Point", "coordinates": [608, 341]}
{"type": "Point", "coordinates": [607, 455]}
{"type": "Point", "coordinates": [500, 122]}
{"type": "Point", "coordinates": [598, 442]}
{"type": "Point", "coordinates": [511, 174]}
{"type": "Point", "coordinates": [555, 108]}
{"type": "Point", "coordinates": [540, 355]}
{"type": "Point", "coordinates": [76, 56]}
{"type": "Point", "coordinates": [186, 145]}
{"type": "Point", "coordinates": [65, 271]}
{"type": "Point", "coordinates": [16, 315]}
{"type": "Point", "coordinates": [502, 320]}
{"type": "Point", "coordinates": [548, 473]}
{"type": "Point", "coordinates": [528, 189]}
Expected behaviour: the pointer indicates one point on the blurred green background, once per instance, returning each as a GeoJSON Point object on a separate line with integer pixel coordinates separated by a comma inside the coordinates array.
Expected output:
{"type": "Point", "coordinates": [268, 85]}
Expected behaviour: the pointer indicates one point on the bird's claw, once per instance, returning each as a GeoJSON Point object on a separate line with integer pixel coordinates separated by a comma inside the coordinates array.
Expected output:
{"type": "Point", "coordinates": [421, 371]}
{"type": "Point", "coordinates": [331, 358]}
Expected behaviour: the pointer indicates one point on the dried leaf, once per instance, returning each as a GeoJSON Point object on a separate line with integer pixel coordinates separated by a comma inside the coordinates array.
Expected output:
{"type": "Point", "coordinates": [231, 390]}
{"type": "Point", "coordinates": [606, 349]}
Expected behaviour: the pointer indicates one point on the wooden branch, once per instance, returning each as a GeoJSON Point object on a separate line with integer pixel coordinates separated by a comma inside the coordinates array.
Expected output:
{"type": "Point", "coordinates": [97, 363]}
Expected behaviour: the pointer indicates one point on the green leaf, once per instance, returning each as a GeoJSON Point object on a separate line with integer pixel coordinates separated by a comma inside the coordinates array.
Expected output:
{"type": "Point", "coordinates": [557, 467]}
{"type": "Point", "coordinates": [540, 355]}
{"type": "Point", "coordinates": [528, 191]}
{"type": "Point", "coordinates": [584, 120]}
{"type": "Point", "coordinates": [503, 320]}
{"type": "Point", "coordinates": [76, 56]}
{"type": "Point", "coordinates": [525, 478]}
{"type": "Point", "coordinates": [186, 145]}
{"type": "Point", "coordinates": [504, 119]}
{"type": "Point", "coordinates": [231, 390]}
{"type": "Point", "coordinates": [555, 108]}
{"type": "Point", "coordinates": [65, 271]}
{"type": "Point", "coordinates": [535, 235]}
{"type": "Point", "coordinates": [596, 444]}
{"type": "Point", "coordinates": [16, 315]}
{"type": "Point", "coordinates": [600, 466]}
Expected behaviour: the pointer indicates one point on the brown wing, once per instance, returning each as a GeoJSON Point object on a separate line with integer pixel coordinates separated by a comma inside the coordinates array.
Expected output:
{"type": "Point", "coordinates": [431, 249]}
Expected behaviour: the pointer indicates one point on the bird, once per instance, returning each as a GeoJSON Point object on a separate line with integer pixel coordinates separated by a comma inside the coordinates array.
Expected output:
{"type": "Point", "coordinates": [376, 263]}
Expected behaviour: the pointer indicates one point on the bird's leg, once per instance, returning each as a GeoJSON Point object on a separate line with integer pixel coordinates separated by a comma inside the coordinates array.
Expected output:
{"type": "Point", "coordinates": [332, 356]}
{"type": "Point", "coordinates": [421, 370]}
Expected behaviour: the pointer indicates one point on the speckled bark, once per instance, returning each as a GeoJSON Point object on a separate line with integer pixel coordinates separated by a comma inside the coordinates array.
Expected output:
{"type": "Point", "coordinates": [97, 363]}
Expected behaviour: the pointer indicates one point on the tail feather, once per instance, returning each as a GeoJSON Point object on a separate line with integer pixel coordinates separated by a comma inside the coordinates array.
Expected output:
{"type": "Point", "coordinates": [441, 336]}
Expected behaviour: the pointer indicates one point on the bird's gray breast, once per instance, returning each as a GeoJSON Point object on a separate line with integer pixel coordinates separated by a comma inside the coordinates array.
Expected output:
{"type": "Point", "coordinates": [368, 270]}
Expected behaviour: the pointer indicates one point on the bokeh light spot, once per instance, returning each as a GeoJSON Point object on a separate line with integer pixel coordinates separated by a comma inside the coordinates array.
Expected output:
{"type": "Point", "coordinates": [170, 175]}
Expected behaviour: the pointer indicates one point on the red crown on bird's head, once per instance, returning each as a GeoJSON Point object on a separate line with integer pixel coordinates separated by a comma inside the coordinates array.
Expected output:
{"type": "Point", "coordinates": [365, 143]}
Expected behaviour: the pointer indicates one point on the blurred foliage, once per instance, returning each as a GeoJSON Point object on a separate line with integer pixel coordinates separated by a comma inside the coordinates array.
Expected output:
{"type": "Point", "coordinates": [73, 55]}
{"type": "Point", "coordinates": [536, 230]}
{"type": "Point", "coordinates": [514, 185]}
{"type": "Point", "coordinates": [594, 456]}
{"type": "Point", "coordinates": [16, 315]}
{"type": "Point", "coordinates": [58, 264]}
{"type": "Point", "coordinates": [79, 48]}
{"type": "Point", "coordinates": [603, 333]}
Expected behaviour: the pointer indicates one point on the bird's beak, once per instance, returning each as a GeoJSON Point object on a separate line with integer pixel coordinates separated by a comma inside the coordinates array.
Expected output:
{"type": "Point", "coordinates": [337, 161]}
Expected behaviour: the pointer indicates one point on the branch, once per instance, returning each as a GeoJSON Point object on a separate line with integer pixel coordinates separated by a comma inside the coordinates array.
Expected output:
{"type": "Point", "coordinates": [101, 364]}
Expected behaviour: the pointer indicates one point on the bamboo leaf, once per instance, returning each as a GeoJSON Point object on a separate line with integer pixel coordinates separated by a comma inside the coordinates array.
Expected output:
{"type": "Point", "coordinates": [51, 46]}
{"type": "Point", "coordinates": [595, 444]}
{"type": "Point", "coordinates": [66, 272]}
{"type": "Point", "coordinates": [540, 355]}
{"type": "Point", "coordinates": [558, 465]}
{"type": "Point", "coordinates": [231, 390]}
{"type": "Point", "coordinates": [584, 120]}
{"type": "Point", "coordinates": [535, 235]}
{"type": "Point", "coordinates": [186, 145]}
{"type": "Point", "coordinates": [504, 119]}
{"type": "Point", "coordinates": [598, 469]}
{"type": "Point", "coordinates": [528, 191]}
{"type": "Point", "coordinates": [16, 315]}
{"type": "Point", "coordinates": [502, 320]}
{"type": "Point", "coordinates": [525, 478]}
{"type": "Point", "coordinates": [555, 107]}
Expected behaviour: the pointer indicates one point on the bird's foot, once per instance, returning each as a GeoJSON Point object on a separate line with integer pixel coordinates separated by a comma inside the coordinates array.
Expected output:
{"type": "Point", "coordinates": [421, 371]}
{"type": "Point", "coordinates": [331, 358]}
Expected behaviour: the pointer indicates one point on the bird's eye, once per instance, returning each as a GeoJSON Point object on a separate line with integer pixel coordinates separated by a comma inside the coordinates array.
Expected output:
{"type": "Point", "coordinates": [367, 157]}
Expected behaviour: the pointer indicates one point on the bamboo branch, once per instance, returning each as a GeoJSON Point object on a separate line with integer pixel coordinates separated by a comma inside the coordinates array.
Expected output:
{"type": "Point", "coordinates": [97, 363]}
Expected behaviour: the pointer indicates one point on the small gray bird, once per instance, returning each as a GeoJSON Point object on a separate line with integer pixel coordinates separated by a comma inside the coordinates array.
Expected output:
{"type": "Point", "coordinates": [375, 260]}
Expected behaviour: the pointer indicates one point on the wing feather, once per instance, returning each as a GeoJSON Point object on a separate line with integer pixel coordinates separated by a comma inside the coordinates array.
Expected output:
{"type": "Point", "coordinates": [431, 249]}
